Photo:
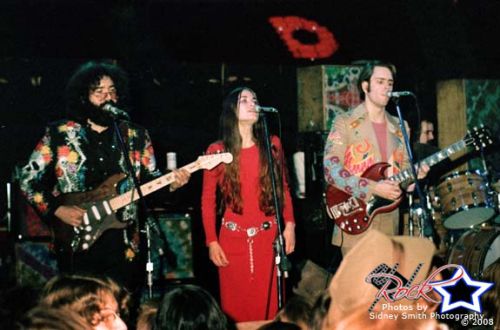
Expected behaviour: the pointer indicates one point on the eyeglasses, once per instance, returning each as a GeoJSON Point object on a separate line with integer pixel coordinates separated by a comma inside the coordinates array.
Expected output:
{"type": "Point", "coordinates": [101, 94]}
{"type": "Point", "coordinates": [109, 315]}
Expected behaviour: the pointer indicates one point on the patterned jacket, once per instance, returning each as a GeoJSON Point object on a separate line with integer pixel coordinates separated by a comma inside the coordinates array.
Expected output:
{"type": "Point", "coordinates": [352, 147]}
{"type": "Point", "coordinates": [58, 165]}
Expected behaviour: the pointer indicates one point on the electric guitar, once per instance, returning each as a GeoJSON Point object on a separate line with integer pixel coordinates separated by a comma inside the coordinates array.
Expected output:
{"type": "Point", "coordinates": [354, 215]}
{"type": "Point", "coordinates": [102, 203]}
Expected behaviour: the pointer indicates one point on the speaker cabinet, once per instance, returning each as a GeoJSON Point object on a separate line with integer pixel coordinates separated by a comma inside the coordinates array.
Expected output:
{"type": "Point", "coordinates": [177, 261]}
{"type": "Point", "coordinates": [324, 91]}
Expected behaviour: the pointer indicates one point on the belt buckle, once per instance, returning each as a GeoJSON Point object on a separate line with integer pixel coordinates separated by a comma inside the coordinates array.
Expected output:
{"type": "Point", "coordinates": [231, 225]}
{"type": "Point", "coordinates": [252, 231]}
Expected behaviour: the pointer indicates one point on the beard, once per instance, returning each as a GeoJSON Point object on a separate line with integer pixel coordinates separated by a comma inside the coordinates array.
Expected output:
{"type": "Point", "coordinates": [98, 116]}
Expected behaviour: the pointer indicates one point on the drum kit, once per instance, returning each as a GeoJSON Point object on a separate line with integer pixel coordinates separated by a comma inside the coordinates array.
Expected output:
{"type": "Point", "coordinates": [465, 211]}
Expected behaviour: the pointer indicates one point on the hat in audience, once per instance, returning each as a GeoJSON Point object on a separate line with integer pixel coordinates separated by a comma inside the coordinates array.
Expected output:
{"type": "Point", "coordinates": [349, 287]}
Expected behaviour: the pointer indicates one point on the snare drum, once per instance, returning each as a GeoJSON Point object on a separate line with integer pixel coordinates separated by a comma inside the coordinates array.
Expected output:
{"type": "Point", "coordinates": [464, 200]}
{"type": "Point", "coordinates": [476, 250]}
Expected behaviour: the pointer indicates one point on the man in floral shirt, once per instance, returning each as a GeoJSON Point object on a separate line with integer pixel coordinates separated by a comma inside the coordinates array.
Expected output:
{"type": "Point", "coordinates": [76, 155]}
{"type": "Point", "coordinates": [362, 137]}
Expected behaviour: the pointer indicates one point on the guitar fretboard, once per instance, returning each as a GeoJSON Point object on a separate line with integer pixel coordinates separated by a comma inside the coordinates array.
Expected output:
{"type": "Point", "coordinates": [147, 188]}
{"type": "Point", "coordinates": [407, 175]}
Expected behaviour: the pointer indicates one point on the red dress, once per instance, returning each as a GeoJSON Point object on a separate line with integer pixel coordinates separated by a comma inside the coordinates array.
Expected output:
{"type": "Point", "coordinates": [245, 282]}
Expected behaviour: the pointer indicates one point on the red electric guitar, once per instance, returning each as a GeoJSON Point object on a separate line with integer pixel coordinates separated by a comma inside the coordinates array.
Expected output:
{"type": "Point", "coordinates": [354, 215]}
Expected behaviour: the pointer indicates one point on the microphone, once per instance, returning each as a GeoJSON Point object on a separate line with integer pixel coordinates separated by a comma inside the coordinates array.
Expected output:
{"type": "Point", "coordinates": [258, 108]}
{"type": "Point", "coordinates": [115, 112]}
{"type": "Point", "coordinates": [399, 94]}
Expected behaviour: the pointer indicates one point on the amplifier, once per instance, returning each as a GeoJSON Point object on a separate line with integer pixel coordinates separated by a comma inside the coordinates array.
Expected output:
{"type": "Point", "coordinates": [177, 261]}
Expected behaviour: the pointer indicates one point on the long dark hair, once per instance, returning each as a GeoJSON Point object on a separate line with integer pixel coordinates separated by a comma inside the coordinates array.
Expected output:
{"type": "Point", "coordinates": [231, 138]}
{"type": "Point", "coordinates": [189, 307]}
{"type": "Point", "coordinates": [87, 77]}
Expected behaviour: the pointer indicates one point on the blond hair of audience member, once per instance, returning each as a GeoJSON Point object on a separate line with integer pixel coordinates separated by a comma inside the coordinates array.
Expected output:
{"type": "Point", "coordinates": [491, 299]}
{"type": "Point", "coordinates": [44, 318]}
{"type": "Point", "coordinates": [91, 298]}
{"type": "Point", "coordinates": [147, 315]}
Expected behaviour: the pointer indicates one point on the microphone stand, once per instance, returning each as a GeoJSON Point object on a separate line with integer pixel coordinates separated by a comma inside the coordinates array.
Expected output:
{"type": "Point", "coordinates": [281, 260]}
{"type": "Point", "coordinates": [144, 226]}
{"type": "Point", "coordinates": [428, 230]}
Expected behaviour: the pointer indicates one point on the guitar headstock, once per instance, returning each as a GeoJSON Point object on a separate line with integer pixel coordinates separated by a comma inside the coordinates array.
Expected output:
{"type": "Point", "coordinates": [478, 137]}
{"type": "Point", "coordinates": [208, 162]}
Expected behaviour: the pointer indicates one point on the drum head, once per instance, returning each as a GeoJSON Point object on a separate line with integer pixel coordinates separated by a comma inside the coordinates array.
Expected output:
{"type": "Point", "coordinates": [469, 218]}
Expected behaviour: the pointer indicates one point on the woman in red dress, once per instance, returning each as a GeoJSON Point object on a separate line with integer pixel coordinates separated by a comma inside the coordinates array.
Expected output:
{"type": "Point", "coordinates": [243, 251]}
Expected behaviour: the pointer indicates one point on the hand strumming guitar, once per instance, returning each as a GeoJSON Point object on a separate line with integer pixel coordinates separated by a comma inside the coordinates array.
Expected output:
{"type": "Point", "coordinates": [71, 215]}
{"type": "Point", "coordinates": [388, 189]}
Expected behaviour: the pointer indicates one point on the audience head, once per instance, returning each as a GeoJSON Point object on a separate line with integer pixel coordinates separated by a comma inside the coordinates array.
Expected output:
{"type": "Point", "coordinates": [91, 298]}
{"type": "Point", "coordinates": [297, 310]}
{"type": "Point", "coordinates": [147, 315]}
{"type": "Point", "coordinates": [49, 318]}
{"type": "Point", "coordinates": [189, 307]}
{"type": "Point", "coordinates": [320, 311]}
{"type": "Point", "coordinates": [279, 325]}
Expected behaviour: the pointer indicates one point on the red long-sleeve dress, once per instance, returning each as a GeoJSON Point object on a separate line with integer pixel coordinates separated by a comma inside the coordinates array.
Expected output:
{"type": "Point", "coordinates": [245, 282]}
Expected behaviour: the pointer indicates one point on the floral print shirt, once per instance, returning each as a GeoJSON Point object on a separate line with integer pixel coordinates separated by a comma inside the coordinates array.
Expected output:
{"type": "Point", "coordinates": [71, 157]}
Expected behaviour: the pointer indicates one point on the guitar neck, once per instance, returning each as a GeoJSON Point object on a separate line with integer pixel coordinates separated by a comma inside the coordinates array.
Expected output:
{"type": "Point", "coordinates": [407, 176]}
{"type": "Point", "coordinates": [150, 187]}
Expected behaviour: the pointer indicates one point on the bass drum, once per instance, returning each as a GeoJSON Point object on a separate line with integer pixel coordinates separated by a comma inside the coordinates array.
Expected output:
{"type": "Point", "coordinates": [476, 250]}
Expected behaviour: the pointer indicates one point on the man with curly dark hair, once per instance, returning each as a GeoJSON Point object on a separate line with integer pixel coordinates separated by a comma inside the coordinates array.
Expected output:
{"type": "Point", "coordinates": [74, 157]}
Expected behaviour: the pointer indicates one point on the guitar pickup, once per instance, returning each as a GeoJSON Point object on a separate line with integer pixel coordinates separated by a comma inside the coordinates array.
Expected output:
{"type": "Point", "coordinates": [345, 209]}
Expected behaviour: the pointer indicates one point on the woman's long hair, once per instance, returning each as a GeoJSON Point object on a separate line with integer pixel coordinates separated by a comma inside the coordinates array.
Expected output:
{"type": "Point", "coordinates": [87, 77]}
{"type": "Point", "coordinates": [230, 135]}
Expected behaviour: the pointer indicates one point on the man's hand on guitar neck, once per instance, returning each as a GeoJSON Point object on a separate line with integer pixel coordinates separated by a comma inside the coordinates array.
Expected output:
{"type": "Point", "coordinates": [181, 178]}
{"type": "Point", "coordinates": [423, 170]}
{"type": "Point", "coordinates": [388, 189]}
{"type": "Point", "coordinates": [71, 215]}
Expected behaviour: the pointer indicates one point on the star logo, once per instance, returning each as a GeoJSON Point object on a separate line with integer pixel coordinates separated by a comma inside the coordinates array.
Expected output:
{"type": "Point", "coordinates": [449, 294]}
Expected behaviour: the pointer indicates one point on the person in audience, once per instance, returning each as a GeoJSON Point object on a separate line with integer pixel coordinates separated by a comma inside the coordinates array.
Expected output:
{"type": "Point", "coordinates": [297, 310]}
{"type": "Point", "coordinates": [91, 298]}
{"type": "Point", "coordinates": [320, 310]}
{"type": "Point", "coordinates": [243, 249]}
{"type": "Point", "coordinates": [279, 325]}
{"type": "Point", "coordinates": [50, 318]}
{"type": "Point", "coordinates": [147, 315]}
{"type": "Point", "coordinates": [189, 307]}
{"type": "Point", "coordinates": [355, 285]}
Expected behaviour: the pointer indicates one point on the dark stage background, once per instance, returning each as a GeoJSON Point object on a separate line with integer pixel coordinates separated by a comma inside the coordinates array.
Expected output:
{"type": "Point", "coordinates": [183, 56]}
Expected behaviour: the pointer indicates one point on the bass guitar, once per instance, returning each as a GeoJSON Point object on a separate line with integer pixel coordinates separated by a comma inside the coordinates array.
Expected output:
{"type": "Point", "coordinates": [102, 203]}
{"type": "Point", "coordinates": [354, 215]}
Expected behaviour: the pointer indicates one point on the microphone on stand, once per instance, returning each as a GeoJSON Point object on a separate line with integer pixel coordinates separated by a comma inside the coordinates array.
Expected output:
{"type": "Point", "coordinates": [399, 94]}
{"type": "Point", "coordinates": [259, 108]}
{"type": "Point", "coordinates": [115, 112]}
